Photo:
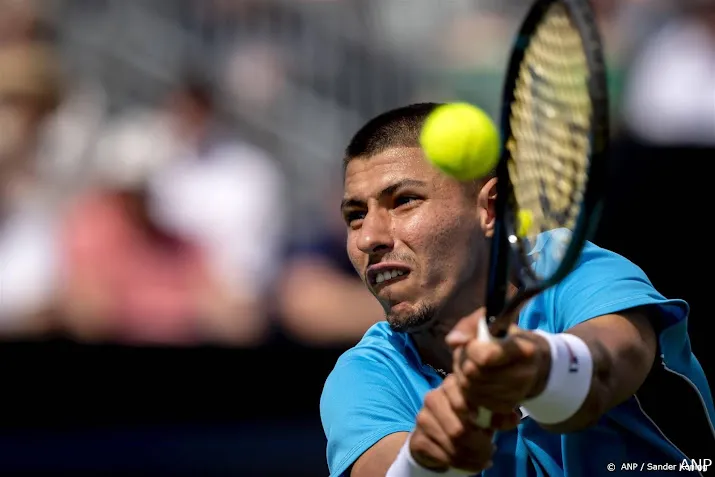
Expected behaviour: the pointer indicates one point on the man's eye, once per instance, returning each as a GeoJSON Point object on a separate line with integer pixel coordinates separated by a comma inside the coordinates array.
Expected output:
{"type": "Point", "coordinates": [351, 217]}
{"type": "Point", "coordinates": [405, 199]}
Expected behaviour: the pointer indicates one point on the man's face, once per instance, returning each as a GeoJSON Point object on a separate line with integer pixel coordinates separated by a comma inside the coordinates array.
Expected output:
{"type": "Point", "coordinates": [415, 236]}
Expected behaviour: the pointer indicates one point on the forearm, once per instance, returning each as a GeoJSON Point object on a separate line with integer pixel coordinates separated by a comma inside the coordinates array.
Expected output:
{"type": "Point", "coordinates": [406, 466]}
{"type": "Point", "coordinates": [599, 396]}
{"type": "Point", "coordinates": [622, 350]}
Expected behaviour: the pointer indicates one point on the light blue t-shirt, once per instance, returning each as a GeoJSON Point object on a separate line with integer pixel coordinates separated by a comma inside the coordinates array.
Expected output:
{"type": "Point", "coordinates": [377, 387]}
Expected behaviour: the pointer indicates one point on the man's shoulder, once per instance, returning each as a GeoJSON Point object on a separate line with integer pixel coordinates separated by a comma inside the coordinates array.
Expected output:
{"type": "Point", "coordinates": [549, 249]}
{"type": "Point", "coordinates": [379, 346]}
{"type": "Point", "coordinates": [379, 375]}
{"type": "Point", "coordinates": [375, 389]}
{"type": "Point", "coordinates": [381, 360]}
{"type": "Point", "coordinates": [602, 282]}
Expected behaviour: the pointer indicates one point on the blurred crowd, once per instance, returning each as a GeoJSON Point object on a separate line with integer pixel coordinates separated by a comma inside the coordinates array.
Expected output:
{"type": "Point", "coordinates": [170, 169]}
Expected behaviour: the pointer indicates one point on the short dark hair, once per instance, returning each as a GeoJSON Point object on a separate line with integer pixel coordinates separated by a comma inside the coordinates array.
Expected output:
{"type": "Point", "coordinates": [398, 127]}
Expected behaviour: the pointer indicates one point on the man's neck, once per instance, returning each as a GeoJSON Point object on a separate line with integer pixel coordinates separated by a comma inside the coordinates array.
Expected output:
{"type": "Point", "coordinates": [430, 343]}
{"type": "Point", "coordinates": [432, 348]}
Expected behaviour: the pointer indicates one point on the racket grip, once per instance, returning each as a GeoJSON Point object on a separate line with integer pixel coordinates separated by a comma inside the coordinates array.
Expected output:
{"type": "Point", "coordinates": [483, 418]}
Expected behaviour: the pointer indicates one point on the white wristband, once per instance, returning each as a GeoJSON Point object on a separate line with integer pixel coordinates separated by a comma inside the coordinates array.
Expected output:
{"type": "Point", "coordinates": [569, 380]}
{"type": "Point", "coordinates": [406, 466]}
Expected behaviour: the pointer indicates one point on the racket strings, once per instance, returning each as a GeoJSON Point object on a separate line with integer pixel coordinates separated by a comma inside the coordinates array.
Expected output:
{"type": "Point", "coordinates": [550, 122]}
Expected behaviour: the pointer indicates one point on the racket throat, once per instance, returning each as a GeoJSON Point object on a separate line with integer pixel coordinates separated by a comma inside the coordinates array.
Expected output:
{"type": "Point", "coordinates": [484, 334]}
{"type": "Point", "coordinates": [492, 327]}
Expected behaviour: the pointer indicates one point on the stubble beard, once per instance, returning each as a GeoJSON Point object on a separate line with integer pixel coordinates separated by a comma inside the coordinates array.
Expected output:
{"type": "Point", "coordinates": [416, 320]}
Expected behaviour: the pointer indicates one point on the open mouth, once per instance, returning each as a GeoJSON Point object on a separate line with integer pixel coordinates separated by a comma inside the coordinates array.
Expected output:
{"type": "Point", "coordinates": [388, 276]}
{"type": "Point", "coordinates": [381, 276]}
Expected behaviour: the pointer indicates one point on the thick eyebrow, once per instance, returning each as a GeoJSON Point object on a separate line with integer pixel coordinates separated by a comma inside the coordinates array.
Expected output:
{"type": "Point", "coordinates": [389, 190]}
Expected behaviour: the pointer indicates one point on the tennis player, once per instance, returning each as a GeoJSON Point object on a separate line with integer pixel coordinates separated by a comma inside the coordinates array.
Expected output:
{"type": "Point", "coordinates": [395, 405]}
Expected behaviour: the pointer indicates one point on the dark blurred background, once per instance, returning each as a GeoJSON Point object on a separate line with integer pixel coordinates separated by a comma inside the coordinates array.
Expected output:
{"type": "Point", "coordinates": [173, 283]}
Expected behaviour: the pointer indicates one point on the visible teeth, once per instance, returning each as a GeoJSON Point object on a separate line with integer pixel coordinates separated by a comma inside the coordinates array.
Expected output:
{"type": "Point", "coordinates": [388, 275]}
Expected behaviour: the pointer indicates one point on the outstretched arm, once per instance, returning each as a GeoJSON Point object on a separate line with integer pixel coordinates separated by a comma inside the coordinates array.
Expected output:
{"type": "Point", "coordinates": [623, 348]}
{"type": "Point", "coordinates": [378, 458]}
{"type": "Point", "coordinates": [566, 381]}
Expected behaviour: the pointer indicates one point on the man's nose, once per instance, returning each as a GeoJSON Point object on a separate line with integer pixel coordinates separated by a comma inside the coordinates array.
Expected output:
{"type": "Point", "coordinates": [375, 233]}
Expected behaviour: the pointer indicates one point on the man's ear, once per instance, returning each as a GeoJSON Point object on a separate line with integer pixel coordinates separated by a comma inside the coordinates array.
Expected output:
{"type": "Point", "coordinates": [486, 206]}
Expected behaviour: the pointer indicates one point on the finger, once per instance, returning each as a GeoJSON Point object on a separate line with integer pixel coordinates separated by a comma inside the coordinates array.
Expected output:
{"type": "Point", "coordinates": [431, 427]}
{"type": "Point", "coordinates": [465, 329]}
{"type": "Point", "coordinates": [427, 452]}
{"type": "Point", "coordinates": [463, 364]}
{"type": "Point", "coordinates": [459, 405]}
{"type": "Point", "coordinates": [473, 445]}
{"type": "Point", "coordinates": [513, 349]}
{"type": "Point", "coordinates": [477, 452]}
{"type": "Point", "coordinates": [498, 391]}
{"type": "Point", "coordinates": [454, 394]}
{"type": "Point", "coordinates": [466, 371]}
{"type": "Point", "coordinates": [482, 355]}
{"type": "Point", "coordinates": [459, 362]}
{"type": "Point", "coordinates": [441, 412]}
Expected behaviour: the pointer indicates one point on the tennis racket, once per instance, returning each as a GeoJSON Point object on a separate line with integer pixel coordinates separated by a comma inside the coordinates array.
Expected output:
{"type": "Point", "coordinates": [552, 172]}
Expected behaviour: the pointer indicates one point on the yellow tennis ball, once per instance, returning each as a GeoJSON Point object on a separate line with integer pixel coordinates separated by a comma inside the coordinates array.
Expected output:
{"type": "Point", "coordinates": [525, 220]}
{"type": "Point", "coordinates": [461, 140]}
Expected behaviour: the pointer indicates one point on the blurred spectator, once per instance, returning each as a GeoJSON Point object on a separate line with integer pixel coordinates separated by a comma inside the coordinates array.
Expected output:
{"type": "Point", "coordinates": [254, 76]}
{"type": "Point", "coordinates": [671, 90]}
{"type": "Point", "coordinates": [322, 300]}
{"type": "Point", "coordinates": [180, 243]}
{"type": "Point", "coordinates": [30, 91]}
{"type": "Point", "coordinates": [20, 21]}
{"type": "Point", "coordinates": [227, 195]}
{"type": "Point", "coordinates": [123, 277]}
{"type": "Point", "coordinates": [300, 82]}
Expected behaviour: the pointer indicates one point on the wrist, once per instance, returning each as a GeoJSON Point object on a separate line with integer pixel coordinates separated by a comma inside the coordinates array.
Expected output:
{"type": "Point", "coordinates": [544, 358]}
{"type": "Point", "coordinates": [568, 381]}
{"type": "Point", "coordinates": [405, 465]}
{"type": "Point", "coordinates": [417, 458]}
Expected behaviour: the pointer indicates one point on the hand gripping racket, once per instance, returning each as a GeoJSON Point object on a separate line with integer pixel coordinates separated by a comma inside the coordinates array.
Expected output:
{"type": "Point", "coordinates": [552, 172]}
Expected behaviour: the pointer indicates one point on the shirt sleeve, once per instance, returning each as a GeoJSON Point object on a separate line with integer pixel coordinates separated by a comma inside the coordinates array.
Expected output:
{"type": "Point", "coordinates": [359, 406]}
{"type": "Point", "coordinates": [604, 283]}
